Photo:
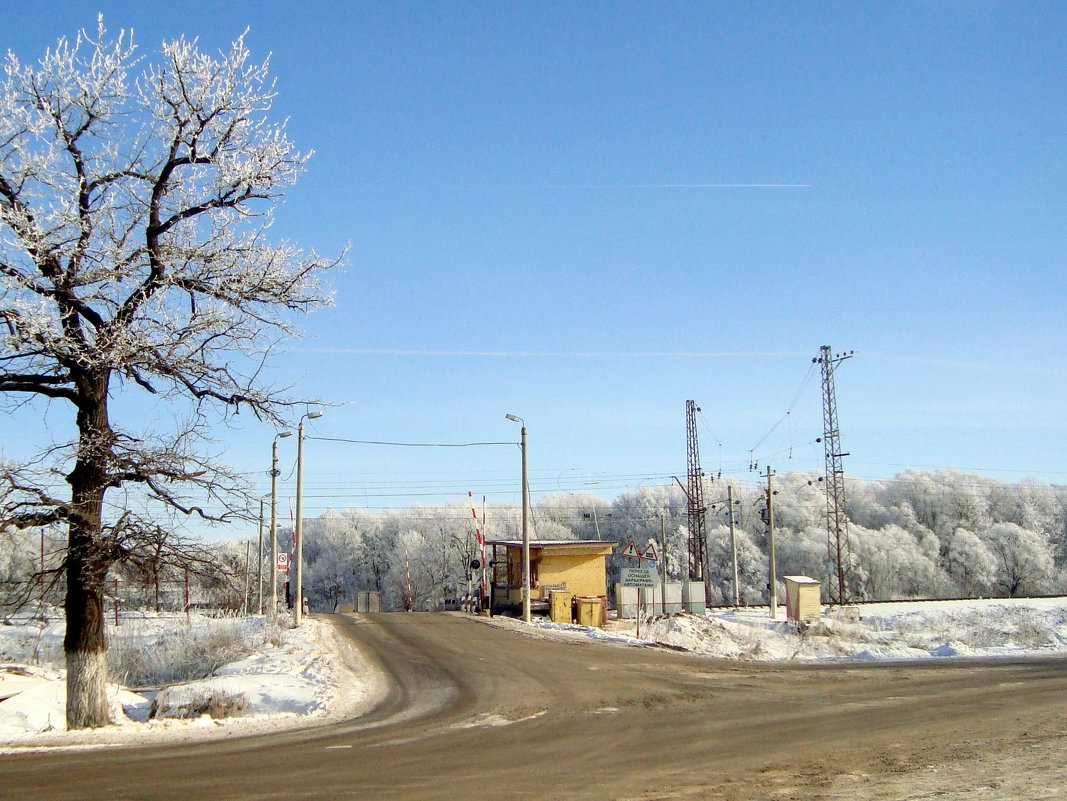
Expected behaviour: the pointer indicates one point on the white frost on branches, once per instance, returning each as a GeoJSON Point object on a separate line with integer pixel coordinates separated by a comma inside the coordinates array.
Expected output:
{"type": "Point", "coordinates": [147, 202]}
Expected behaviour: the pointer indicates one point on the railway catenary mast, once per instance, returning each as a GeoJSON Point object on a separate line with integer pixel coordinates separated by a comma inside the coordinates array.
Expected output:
{"type": "Point", "coordinates": [695, 508]}
{"type": "Point", "coordinates": [839, 551]}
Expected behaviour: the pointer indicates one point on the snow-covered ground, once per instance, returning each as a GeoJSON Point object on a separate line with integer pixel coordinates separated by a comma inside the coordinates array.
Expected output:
{"type": "Point", "coordinates": [296, 676]}
{"type": "Point", "coordinates": [291, 677]}
{"type": "Point", "coordinates": [885, 631]}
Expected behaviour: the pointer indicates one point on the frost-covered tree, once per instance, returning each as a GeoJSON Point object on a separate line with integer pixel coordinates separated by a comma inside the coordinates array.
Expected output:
{"type": "Point", "coordinates": [136, 260]}
{"type": "Point", "coordinates": [802, 553]}
{"type": "Point", "coordinates": [895, 564]}
{"type": "Point", "coordinates": [752, 572]}
{"type": "Point", "coordinates": [970, 563]}
{"type": "Point", "coordinates": [1023, 557]}
{"type": "Point", "coordinates": [332, 547]}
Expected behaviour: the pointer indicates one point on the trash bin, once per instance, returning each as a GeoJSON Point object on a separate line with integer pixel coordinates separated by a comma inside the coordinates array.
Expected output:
{"type": "Point", "coordinates": [590, 611]}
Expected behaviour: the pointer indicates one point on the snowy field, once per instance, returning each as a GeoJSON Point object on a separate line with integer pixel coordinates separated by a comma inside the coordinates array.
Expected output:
{"type": "Point", "coordinates": [295, 676]}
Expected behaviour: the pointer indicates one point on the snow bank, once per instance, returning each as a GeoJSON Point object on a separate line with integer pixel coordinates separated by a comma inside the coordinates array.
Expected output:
{"type": "Point", "coordinates": [292, 674]}
{"type": "Point", "coordinates": [885, 632]}
{"type": "Point", "coordinates": [296, 673]}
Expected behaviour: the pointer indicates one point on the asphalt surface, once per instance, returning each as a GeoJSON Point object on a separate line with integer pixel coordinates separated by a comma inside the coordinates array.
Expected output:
{"type": "Point", "coordinates": [477, 711]}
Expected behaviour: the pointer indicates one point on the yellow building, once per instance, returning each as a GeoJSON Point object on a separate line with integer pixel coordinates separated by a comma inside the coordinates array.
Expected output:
{"type": "Point", "coordinates": [577, 567]}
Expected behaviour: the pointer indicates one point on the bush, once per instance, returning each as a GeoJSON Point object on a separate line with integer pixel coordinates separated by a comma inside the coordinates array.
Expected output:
{"type": "Point", "coordinates": [185, 652]}
{"type": "Point", "coordinates": [215, 703]}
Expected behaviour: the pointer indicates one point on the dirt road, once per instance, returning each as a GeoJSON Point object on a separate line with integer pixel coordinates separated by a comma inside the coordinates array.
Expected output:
{"type": "Point", "coordinates": [476, 711]}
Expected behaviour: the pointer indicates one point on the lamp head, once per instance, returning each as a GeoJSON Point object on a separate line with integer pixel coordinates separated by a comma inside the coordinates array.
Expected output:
{"type": "Point", "coordinates": [313, 415]}
{"type": "Point", "coordinates": [283, 434]}
{"type": "Point", "coordinates": [515, 418]}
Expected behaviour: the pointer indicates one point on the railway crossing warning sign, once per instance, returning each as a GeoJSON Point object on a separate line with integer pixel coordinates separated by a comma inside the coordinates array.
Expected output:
{"type": "Point", "coordinates": [638, 577]}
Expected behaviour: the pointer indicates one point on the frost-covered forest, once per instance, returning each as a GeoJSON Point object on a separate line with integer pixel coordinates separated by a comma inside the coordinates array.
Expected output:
{"type": "Point", "coordinates": [945, 534]}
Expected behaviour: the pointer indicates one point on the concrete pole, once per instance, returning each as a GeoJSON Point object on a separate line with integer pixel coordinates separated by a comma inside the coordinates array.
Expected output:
{"type": "Point", "coordinates": [773, 600]}
{"type": "Point", "coordinates": [525, 533]}
{"type": "Point", "coordinates": [663, 562]}
{"type": "Point", "coordinates": [483, 600]}
{"type": "Point", "coordinates": [248, 549]}
{"type": "Point", "coordinates": [274, 522]}
{"type": "Point", "coordinates": [733, 542]}
{"type": "Point", "coordinates": [260, 605]}
{"type": "Point", "coordinates": [525, 523]}
{"type": "Point", "coordinates": [298, 531]}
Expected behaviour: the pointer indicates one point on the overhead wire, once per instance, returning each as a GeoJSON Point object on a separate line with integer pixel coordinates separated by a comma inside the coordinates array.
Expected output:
{"type": "Point", "coordinates": [796, 399]}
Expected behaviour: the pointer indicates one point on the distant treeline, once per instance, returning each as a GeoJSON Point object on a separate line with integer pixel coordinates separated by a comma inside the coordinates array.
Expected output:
{"type": "Point", "coordinates": [918, 535]}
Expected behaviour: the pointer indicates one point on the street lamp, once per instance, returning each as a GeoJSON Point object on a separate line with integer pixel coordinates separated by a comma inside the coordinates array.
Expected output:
{"type": "Point", "coordinates": [274, 520]}
{"type": "Point", "coordinates": [299, 531]}
{"type": "Point", "coordinates": [525, 524]}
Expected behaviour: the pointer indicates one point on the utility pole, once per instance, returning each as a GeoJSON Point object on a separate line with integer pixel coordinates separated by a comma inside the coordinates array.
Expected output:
{"type": "Point", "coordinates": [773, 585]}
{"type": "Point", "coordinates": [663, 560]}
{"type": "Point", "coordinates": [260, 606]}
{"type": "Point", "coordinates": [838, 548]}
{"type": "Point", "coordinates": [248, 548]}
{"type": "Point", "coordinates": [525, 523]}
{"type": "Point", "coordinates": [733, 541]}
{"type": "Point", "coordinates": [274, 521]}
{"type": "Point", "coordinates": [298, 524]}
{"type": "Point", "coordinates": [525, 533]}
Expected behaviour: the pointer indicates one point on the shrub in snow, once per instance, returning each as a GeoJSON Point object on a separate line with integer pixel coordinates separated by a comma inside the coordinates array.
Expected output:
{"type": "Point", "coordinates": [148, 657]}
{"type": "Point", "coordinates": [178, 702]}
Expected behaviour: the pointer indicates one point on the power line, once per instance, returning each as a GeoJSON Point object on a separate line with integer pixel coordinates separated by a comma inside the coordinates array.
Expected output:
{"type": "Point", "coordinates": [796, 399]}
{"type": "Point", "coordinates": [411, 444]}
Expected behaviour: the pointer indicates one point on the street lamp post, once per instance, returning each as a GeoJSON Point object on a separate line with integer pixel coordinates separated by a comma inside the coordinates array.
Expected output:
{"type": "Point", "coordinates": [259, 606]}
{"type": "Point", "coordinates": [274, 520]}
{"type": "Point", "coordinates": [525, 524]}
{"type": "Point", "coordinates": [299, 531]}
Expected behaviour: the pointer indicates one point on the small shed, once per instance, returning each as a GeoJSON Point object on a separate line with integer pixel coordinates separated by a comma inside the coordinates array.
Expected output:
{"type": "Point", "coordinates": [576, 567]}
{"type": "Point", "coordinates": [802, 601]}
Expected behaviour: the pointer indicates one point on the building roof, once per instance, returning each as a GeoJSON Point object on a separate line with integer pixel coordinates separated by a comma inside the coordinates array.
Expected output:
{"type": "Point", "coordinates": [577, 546]}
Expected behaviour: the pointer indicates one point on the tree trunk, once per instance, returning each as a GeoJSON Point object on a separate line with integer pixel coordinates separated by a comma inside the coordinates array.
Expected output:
{"type": "Point", "coordinates": [88, 561]}
{"type": "Point", "coordinates": [84, 645]}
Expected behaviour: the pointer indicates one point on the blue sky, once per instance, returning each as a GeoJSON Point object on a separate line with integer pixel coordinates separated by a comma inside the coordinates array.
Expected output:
{"type": "Point", "coordinates": [587, 213]}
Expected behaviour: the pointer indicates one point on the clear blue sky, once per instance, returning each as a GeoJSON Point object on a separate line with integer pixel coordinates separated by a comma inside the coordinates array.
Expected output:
{"type": "Point", "coordinates": [587, 213]}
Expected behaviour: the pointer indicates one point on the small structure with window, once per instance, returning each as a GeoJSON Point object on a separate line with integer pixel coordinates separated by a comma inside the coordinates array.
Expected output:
{"type": "Point", "coordinates": [576, 567]}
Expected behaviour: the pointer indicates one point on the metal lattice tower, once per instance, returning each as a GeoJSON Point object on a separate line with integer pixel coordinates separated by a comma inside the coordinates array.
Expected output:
{"type": "Point", "coordinates": [698, 541]}
{"type": "Point", "coordinates": [839, 551]}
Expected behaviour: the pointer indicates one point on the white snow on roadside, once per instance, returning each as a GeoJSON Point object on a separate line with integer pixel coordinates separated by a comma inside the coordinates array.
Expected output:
{"type": "Point", "coordinates": [919, 630]}
{"type": "Point", "coordinates": [312, 673]}
{"type": "Point", "coordinates": [296, 675]}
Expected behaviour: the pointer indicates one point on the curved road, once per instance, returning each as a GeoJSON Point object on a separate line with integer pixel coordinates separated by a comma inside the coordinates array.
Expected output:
{"type": "Point", "coordinates": [478, 711]}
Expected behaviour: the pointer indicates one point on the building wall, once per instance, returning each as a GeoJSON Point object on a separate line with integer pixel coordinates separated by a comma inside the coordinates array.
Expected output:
{"type": "Point", "coordinates": [579, 575]}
